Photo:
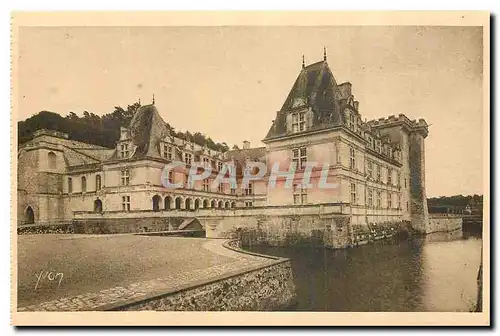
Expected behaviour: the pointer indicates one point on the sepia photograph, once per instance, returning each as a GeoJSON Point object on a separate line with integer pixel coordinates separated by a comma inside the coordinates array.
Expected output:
{"type": "Point", "coordinates": [241, 163]}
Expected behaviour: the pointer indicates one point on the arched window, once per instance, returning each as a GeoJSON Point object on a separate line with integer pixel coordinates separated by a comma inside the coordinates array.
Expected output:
{"type": "Point", "coordinates": [52, 158]}
{"type": "Point", "coordinates": [156, 203]}
{"type": "Point", "coordinates": [97, 205]}
{"type": "Point", "coordinates": [98, 182]}
{"type": "Point", "coordinates": [188, 204]}
{"type": "Point", "coordinates": [228, 204]}
{"type": "Point", "coordinates": [70, 185]}
{"type": "Point", "coordinates": [233, 205]}
{"type": "Point", "coordinates": [221, 204]}
{"type": "Point", "coordinates": [84, 184]}
{"type": "Point", "coordinates": [205, 204]}
{"type": "Point", "coordinates": [213, 204]}
{"type": "Point", "coordinates": [196, 204]}
{"type": "Point", "coordinates": [168, 202]}
{"type": "Point", "coordinates": [178, 203]}
{"type": "Point", "coordinates": [29, 216]}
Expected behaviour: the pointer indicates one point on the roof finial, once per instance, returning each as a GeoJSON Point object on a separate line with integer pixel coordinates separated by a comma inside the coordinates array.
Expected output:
{"type": "Point", "coordinates": [303, 62]}
{"type": "Point", "coordinates": [324, 54]}
{"type": "Point", "coordinates": [153, 98]}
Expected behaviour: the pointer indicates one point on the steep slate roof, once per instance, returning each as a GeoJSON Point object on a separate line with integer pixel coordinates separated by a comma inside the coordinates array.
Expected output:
{"type": "Point", "coordinates": [147, 128]}
{"type": "Point", "coordinates": [241, 155]}
{"type": "Point", "coordinates": [251, 153]}
{"type": "Point", "coordinates": [316, 88]}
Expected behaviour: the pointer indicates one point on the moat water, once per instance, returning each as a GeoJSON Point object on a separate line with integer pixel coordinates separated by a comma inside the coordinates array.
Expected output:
{"type": "Point", "coordinates": [433, 273]}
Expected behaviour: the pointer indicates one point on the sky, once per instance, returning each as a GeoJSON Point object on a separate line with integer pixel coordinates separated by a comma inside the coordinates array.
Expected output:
{"type": "Point", "coordinates": [228, 82]}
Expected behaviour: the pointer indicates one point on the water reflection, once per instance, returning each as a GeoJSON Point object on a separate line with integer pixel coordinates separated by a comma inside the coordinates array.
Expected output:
{"type": "Point", "coordinates": [434, 273]}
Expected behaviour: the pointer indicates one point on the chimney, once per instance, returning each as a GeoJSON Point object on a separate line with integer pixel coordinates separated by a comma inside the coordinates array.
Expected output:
{"type": "Point", "coordinates": [246, 144]}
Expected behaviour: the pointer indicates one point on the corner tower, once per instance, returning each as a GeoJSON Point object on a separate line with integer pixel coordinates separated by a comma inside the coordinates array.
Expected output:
{"type": "Point", "coordinates": [411, 135]}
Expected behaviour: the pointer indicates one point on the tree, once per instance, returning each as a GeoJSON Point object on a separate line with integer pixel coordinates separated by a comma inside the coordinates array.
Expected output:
{"type": "Point", "coordinates": [103, 131]}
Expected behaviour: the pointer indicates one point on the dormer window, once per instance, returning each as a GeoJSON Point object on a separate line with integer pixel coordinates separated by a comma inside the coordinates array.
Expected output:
{"type": "Point", "coordinates": [219, 166]}
{"type": "Point", "coordinates": [298, 122]}
{"type": "Point", "coordinates": [124, 152]}
{"type": "Point", "coordinates": [167, 152]}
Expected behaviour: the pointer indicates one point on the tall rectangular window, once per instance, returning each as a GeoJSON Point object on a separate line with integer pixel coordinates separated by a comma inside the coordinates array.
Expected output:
{"type": "Point", "coordinates": [298, 122]}
{"type": "Point", "coordinates": [389, 200]}
{"type": "Point", "coordinates": [399, 201]}
{"type": "Point", "coordinates": [370, 169]}
{"type": "Point", "coordinates": [352, 123]}
{"type": "Point", "coordinates": [171, 177]}
{"type": "Point", "coordinates": [379, 199]}
{"type": "Point", "coordinates": [233, 191]}
{"type": "Point", "coordinates": [124, 152]}
{"type": "Point", "coordinates": [352, 158]}
{"type": "Point", "coordinates": [389, 176]}
{"type": "Point", "coordinates": [98, 182]}
{"type": "Point", "coordinates": [399, 180]}
{"type": "Point", "coordinates": [299, 194]}
{"type": "Point", "coordinates": [299, 157]}
{"type": "Point", "coordinates": [206, 162]}
{"type": "Point", "coordinates": [125, 177]}
{"type": "Point", "coordinates": [84, 184]}
{"type": "Point", "coordinates": [220, 187]}
{"type": "Point", "coordinates": [126, 203]}
{"type": "Point", "coordinates": [219, 166]}
{"type": "Point", "coordinates": [353, 193]}
{"type": "Point", "coordinates": [188, 158]}
{"type": "Point", "coordinates": [206, 185]}
{"type": "Point", "coordinates": [249, 189]}
{"type": "Point", "coordinates": [370, 197]}
{"type": "Point", "coordinates": [379, 173]}
{"type": "Point", "coordinates": [70, 185]}
{"type": "Point", "coordinates": [167, 152]}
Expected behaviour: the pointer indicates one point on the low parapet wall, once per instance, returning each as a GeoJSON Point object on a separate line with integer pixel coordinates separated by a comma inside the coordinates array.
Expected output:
{"type": "Point", "coordinates": [444, 223]}
{"type": "Point", "coordinates": [265, 288]}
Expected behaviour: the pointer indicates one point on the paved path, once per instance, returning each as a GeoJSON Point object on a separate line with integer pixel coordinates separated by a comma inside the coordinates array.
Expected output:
{"type": "Point", "coordinates": [167, 263]}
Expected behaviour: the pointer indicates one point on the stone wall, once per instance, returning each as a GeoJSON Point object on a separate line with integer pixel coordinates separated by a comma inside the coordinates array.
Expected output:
{"type": "Point", "coordinates": [268, 288]}
{"type": "Point", "coordinates": [444, 223]}
{"type": "Point", "coordinates": [109, 225]}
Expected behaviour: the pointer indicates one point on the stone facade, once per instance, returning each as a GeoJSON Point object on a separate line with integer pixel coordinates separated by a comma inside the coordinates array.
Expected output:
{"type": "Point", "coordinates": [377, 166]}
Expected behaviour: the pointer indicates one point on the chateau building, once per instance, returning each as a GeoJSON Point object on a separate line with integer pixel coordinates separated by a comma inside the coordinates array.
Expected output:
{"type": "Point", "coordinates": [376, 167]}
